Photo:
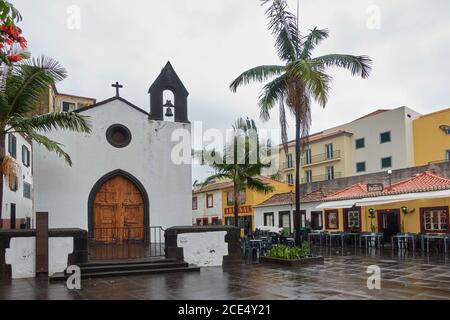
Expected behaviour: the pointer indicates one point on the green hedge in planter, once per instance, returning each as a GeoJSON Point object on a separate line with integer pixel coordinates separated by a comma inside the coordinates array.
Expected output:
{"type": "Point", "coordinates": [289, 253]}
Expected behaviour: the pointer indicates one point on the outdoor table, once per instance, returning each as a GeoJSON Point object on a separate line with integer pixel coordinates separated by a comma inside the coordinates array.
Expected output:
{"type": "Point", "coordinates": [399, 237]}
{"type": "Point", "coordinates": [315, 234]}
{"type": "Point", "coordinates": [369, 237]}
{"type": "Point", "coordinates": [427, 237]}
{"type": "Point", "coordinates": [354, 235]}
{"type": "Point", "coordinates": [330, 237]}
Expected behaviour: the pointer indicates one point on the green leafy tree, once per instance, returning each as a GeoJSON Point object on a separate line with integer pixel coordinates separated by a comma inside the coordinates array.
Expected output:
{"type": "Point", "coordinates": [240, 166]}
{"type": "Point", "coordinates": [301, 78]}
{"type": "Point", "coordinates": [23, 85]}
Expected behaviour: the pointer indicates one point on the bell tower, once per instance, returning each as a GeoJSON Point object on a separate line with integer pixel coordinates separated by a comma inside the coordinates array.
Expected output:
{"type": "Point", "coordinates": [168, 80]}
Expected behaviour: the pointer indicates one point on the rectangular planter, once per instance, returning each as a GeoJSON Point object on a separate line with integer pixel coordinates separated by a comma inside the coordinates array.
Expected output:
{"type": "Point", "coordinates": [299, 262]}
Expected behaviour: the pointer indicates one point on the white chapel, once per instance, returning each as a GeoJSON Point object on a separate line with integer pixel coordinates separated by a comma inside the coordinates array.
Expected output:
{"type": "Point", "coordinates": [122, 174]}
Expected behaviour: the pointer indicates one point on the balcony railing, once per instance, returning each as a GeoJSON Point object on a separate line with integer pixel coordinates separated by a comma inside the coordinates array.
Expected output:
{"type": "Point", "coordinates": [323, 177]}
{"type": "Point", "coordinates": [336, 154]}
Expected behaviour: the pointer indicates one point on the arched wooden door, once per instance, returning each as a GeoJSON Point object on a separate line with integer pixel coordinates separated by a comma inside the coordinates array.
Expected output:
{"type": "Point", "coordinates": [118, 211]}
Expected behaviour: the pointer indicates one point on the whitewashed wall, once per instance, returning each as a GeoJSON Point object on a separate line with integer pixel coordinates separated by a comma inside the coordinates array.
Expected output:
{"type": "Point", "coordinates": [401, 148]}
{"type": "Point", "coordinates": [259, 212]}
{"type": "Point", "coordinates": [21, 255]}
{"type": "Point", "coordinates": [202, 211]}
{"type": "Point", "coordinates": [63, 191]}
{"type": "Point", "coordinates": [24, 206]}
{"type": "Point", "coordinates": [204, 249]}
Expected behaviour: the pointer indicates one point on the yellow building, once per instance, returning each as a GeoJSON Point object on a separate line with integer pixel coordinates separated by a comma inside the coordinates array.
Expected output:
{"type": "Point", "coordinates": [432, 138]}
{"type": "Point", "coordinates": [416, 205]}
{"type": "Point", "coordinates": [327, 157]}
{"type": "Point", "coordinates": [53, 101]}
{"type": "Point", "coordinates": [248, 199]}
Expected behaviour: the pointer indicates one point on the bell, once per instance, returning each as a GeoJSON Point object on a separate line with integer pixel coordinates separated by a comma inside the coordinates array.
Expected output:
{"type": "Point", "coordinates": [169, 106]}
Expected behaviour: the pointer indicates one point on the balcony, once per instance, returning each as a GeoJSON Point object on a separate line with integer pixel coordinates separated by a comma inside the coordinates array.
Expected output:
{"type": "Point", "coordinates": [323, 177]}
{"type": "Point", "coordinates": [321, 158]}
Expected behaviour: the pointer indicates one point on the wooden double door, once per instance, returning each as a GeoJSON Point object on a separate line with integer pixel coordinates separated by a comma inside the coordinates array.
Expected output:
{"type": "Point", "coordinates": [118, 212]}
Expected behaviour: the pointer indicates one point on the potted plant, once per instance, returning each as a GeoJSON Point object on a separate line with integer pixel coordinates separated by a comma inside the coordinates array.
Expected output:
{"type": "Point", "coordinates": [291, 256]}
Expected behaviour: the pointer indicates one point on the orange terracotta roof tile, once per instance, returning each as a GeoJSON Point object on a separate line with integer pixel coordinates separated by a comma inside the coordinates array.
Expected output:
{"type": "Point", "coordinates": [423, 182]}
{"type": "Point", "coordinates": [288, 198]}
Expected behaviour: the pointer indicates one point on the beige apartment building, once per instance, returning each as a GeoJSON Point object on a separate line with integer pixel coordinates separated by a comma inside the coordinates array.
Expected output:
{"type": "Point", "coordinates": [381, 140]}
{"type": "Point", "coordinates": [54, 101]}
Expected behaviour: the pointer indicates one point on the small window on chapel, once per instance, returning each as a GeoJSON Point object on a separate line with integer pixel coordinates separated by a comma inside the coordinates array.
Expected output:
{"type": "Point", "coordinates": [118, 135]}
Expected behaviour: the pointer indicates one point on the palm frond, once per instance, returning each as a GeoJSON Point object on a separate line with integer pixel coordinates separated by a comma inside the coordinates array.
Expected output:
{"type": "Point", "coordinates": [50, 145]}
{"type": "Point", "coordinates": [257, 74]}
{"type": "Point", "coordinates": [271, 93]}
{"type": "Point", "coordinates": [258, 185]}
{"type": "Point", "coordinates": [52, 121]}
{"type": "Point", "coordinates": [357, 65]}
{"type": "Point", "coordinates": [312, 40]}
{"type": "Point", "coordinates": [284, 27]}
{"type": "Point", "coordinates": [28, 81]}
{"type": "Point", "coordinates": [214, 177]}
{"type": "Point", "coordinates": [311, 76]}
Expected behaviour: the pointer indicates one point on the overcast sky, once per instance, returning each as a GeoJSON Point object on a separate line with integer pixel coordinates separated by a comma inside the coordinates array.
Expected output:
{"type": "Point", "coordinates": [209, 43]}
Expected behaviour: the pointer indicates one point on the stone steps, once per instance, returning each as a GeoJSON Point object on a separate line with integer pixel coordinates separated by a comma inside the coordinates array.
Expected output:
{"type": "Point", "coordinates": [128, 268]}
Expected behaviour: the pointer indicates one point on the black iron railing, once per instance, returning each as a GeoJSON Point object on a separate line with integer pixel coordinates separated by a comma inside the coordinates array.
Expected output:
{"type": "Point", "coordinates": [126, 243]}
{"type": "Point", "coordinates": [332, 155]}
{"type": "Point", "coordinates": [323, 177]}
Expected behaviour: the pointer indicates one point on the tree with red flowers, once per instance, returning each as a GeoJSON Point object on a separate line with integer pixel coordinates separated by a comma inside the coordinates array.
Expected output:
{"type": "Point", "coordinates": [22, 85]}
{"type": "Point", "coordinates": [12, 42]}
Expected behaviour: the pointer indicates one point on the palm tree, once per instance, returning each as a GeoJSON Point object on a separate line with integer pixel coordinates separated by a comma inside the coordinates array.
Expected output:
{"type": "Point", "coordinates": [301, 79]}
{"type": "Point", "coordinates": [239, 167]}
{"type": "Point", "coordinates": [21, 89]}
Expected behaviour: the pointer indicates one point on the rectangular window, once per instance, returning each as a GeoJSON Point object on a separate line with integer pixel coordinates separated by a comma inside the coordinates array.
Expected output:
{"type": "Point", "coordinates": [360, 143]}
{"type": "Point", "coordinates": [332, 219]}
{"type": "Point", "coordinates": [330, 173]}
{"type": "Point", "coordinates": [386, 162]}
{"type": "Point", "coordinates": [434, 219]}
{"type": "Point", "coordinates": [289, 163]}
{"type": "Point", "coordinates": [26, 190]}
{"type": "Point", "coordinates": [194, 203]}
{"type": "Point", "coordinates": [353, 219]}
{"type": "Point", "coordinates": [308, 156]}
{"type": "Point", "coordinates": [308, 176]}
{"type": "Point", "coordinates": [13, 186]}
{"type": "Point", "coordinates": [329, 150]}
{"type": "Point", "coordinates": [242, 196]}
{"type": "Point", "coordinates": [290, 178]}
{"type": "Point", "coordinates": [209, 201]}
{"type": "Point", "coordinates": [230, 199]}
{"type": "Point", "coordinates": [268, 219]}
{"type": "Point", "coordinates": [25, 156]}
{"type": "Point", "coordinates": [68, 106]}
{"type": "Point", "coordinates": [385, 137]}
{"type": "Point", "coordinates": [205, 221]}
{"type": "Point", "coordinates": [316, 220]}
{"type": "Point", "coordinates": [215, 221]}
{"type": "Point", "coordinates": [285, 220]}
{"type": "Point", "coordinates": [361, 166]}
{"type": "Point", "coordinates": [12, 145]}
{"type": "Point", "coordinates": [229, 221]}
{"type": "Point", "coordinates": [447, 155]}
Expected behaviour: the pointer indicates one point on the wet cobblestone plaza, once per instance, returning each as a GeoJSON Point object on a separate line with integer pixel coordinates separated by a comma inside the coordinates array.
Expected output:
{"type": "Point", "coordinates": [342, 276]}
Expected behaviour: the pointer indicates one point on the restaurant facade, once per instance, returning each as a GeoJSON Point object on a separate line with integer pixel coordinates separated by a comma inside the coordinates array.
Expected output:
{"type": "Point", "coordinates": [419, 204]}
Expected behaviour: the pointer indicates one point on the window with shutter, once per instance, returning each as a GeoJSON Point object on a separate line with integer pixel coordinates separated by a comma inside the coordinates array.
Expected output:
{"type": "Point", "coordinates": [12, 145]}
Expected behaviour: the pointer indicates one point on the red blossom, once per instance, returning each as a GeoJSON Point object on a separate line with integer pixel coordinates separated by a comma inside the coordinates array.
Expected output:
{"type": "Point", "coordinates": [15, 58]}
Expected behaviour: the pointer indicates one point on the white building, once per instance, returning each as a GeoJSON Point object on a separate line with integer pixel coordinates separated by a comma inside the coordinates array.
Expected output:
{"type": "Point", "coordinates": [17, 207]}
{"type": "Point", "coordinates": [207, 203]}
{"type": "Point", "coordinates": [382, 140]}
{"type": "Point", "coordinates": [278, 211]}
{"type": "Point", "coordinates": [124, 174]}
